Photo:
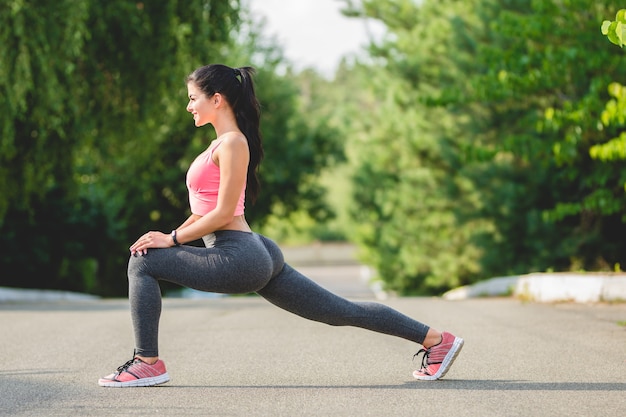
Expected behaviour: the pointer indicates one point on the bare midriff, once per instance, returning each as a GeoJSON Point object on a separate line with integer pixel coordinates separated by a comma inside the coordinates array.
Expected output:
{"type": "Point", "coordinates": [237, 223]}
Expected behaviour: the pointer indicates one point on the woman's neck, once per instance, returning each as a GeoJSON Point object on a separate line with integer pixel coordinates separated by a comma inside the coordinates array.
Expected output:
{"type": "Point", "coordinates": [226, 124]}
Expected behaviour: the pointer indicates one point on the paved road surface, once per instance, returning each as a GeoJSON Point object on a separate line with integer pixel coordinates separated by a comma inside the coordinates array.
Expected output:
{"type": "Point", "coordinates": [240, 356]}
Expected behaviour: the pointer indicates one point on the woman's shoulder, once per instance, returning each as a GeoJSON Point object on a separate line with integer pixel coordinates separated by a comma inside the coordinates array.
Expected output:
{"type": "Point", "coordinates": [233, 140]}
{"type": "Point", "coordinates": [232, 145]}
{"type": "Point", "coordinates": [233, 135]}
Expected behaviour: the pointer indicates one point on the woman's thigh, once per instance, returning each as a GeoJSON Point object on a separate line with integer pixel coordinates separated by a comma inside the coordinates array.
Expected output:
{"type": "Point", "coordinates": [236, 264]}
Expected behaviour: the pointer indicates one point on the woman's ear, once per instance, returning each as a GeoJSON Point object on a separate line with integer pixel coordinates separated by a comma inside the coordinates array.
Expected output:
{"type": "Point", "coordinates": [217, 99]}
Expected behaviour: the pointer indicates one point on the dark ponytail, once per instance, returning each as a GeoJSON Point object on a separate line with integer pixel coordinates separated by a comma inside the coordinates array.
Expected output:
{"type": "Point", "coordinates": [236, 85]}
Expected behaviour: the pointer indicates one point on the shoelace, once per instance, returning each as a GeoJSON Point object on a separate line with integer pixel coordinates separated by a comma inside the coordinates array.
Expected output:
{"type": "Point", "coordinates": [426, 353]}
{"type": "Point", "coordinates": [126, 366]}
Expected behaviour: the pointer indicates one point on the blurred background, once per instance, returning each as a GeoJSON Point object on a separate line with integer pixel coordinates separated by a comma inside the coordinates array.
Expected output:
{"type": "Point", "coordinates": [447, 141]}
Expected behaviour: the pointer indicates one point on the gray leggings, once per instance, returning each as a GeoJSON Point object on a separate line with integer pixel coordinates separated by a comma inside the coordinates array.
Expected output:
{"type": "Point", "coordinates": [239, 262]}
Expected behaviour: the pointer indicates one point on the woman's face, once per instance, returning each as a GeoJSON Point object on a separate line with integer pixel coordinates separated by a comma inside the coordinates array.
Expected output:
{"type": "Point", "coordinates": [200, 106]}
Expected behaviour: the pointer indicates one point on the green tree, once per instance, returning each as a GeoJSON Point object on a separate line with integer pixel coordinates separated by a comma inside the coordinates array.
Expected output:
{"type": "Point", "coordinates": [613, 152]}
{"type": "Point", "coordinates": [86, 87]}
{"type": "Point", "coordinates": [313, 133]}
{"type": "Point", "coordinates": [96, 139]}
{"type": "Point", "coordinates": [479, 149]}
{"type": "Point", "coordinates": [546, 102]}
{"type": "Point", "coordinates": [412, 196]}
{"type": "Point", "coordinates": [136, 139]}
{"type": "Point", "coordinates": [38, 110]}
{"type": "Point", "coordinates": [37, 107]}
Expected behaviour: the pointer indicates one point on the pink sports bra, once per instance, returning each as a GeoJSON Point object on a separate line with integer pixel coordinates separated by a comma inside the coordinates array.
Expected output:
{"type": "Point", "coordinates": [203, 183]}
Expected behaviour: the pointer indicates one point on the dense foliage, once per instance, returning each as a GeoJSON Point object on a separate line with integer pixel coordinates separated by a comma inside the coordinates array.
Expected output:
{"type": "Point", "coordinates": [96, 140]}
{"type": "Point", "coordinates": [483, 155]}
{"type": "Point", "coordinates": [482, 137]}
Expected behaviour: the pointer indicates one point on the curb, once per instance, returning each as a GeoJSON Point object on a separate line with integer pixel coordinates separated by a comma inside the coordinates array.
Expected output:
{"type": "Point", "coordinates": [19, 295]}
{"type": "Point", "coordinates": [549, 287]}
{"type": "Point", "coordinates": [537, 287]}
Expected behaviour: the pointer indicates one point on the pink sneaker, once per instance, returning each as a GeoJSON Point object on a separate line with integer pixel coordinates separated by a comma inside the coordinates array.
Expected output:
{"type": "Point", "coordinates": [136, 373]}
{"type": "Point", "coordinates": [437, 359]}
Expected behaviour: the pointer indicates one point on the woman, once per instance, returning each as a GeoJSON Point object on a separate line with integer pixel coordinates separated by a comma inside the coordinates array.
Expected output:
{"type": "Point", "coordinates": [236, 260]}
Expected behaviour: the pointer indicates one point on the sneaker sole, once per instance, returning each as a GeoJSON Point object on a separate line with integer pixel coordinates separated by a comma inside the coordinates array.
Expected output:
{"type": "Point", "coordinates": [457, 345]}
{"type": "Point", "coordinates": [143, 382]}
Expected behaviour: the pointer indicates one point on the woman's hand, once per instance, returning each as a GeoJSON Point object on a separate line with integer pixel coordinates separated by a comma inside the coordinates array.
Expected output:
{"type": "Point", "coordinates": [151, 240]}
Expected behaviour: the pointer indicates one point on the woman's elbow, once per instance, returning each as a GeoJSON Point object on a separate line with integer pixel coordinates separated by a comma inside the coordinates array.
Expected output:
{"type": "Point", "coordinates": [224, 217]}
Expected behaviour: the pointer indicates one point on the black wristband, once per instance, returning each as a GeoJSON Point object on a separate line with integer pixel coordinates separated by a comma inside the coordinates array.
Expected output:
{"type": "Point", "coordinates": [173, 234]}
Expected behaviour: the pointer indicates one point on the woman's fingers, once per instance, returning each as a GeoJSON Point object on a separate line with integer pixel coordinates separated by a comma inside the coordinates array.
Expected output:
{"type": "Point", "coordinates": [149, 240]}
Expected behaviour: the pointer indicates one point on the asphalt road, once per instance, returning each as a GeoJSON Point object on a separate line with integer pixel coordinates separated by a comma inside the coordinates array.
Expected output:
{"type": "Point", "coordinates": [240, 356]}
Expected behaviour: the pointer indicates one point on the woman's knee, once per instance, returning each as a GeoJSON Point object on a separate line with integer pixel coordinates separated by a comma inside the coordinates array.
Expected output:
{"type": "Point", "coordinates": [136, 265]}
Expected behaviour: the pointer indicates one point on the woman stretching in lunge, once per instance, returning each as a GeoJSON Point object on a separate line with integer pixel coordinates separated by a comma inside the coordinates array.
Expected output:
{"type": "Point", "coordinates": [236, 260]}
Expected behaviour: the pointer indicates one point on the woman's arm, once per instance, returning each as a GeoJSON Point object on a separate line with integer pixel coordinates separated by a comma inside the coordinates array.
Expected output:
{"type": "Point", "coordinates": [232, 157]}
{"type": "Point", "coordinates": [189, 221]}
